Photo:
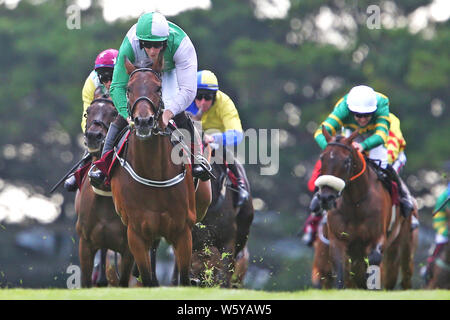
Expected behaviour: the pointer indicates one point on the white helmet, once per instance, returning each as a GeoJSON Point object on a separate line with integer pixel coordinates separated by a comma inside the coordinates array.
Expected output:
{"type": "Point", "coordinates": [362, 99]}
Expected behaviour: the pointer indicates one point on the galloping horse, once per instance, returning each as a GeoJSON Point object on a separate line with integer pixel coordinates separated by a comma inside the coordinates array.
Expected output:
{"type": "Point", "coordinates": [154, 197]}
{"type": "Point", "coordinates": [98, 225]}
{"type": "Point", "coordinates": [219, 243]}
{"type": "Point", "coordinates": [364, 227]}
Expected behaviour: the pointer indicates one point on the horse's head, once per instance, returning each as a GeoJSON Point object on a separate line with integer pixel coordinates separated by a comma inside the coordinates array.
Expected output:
{"type": "Point", "coordinates": [144, 96]}
{"type": "Point", "coordinates": [338, 165]}
{"type": "Point", "coordinates": [99, 115]}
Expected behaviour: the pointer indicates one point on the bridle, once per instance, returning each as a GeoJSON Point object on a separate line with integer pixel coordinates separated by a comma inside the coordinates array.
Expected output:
{"type": "Point", "coordinates": [350, 163]}
{"type": "Point", "coordinates": [97, 121]}
{"type": "Point", "coordinates": [157, 110]}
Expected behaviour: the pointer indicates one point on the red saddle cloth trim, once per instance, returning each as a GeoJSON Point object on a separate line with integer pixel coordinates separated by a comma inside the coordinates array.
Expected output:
{"type": "Point", "coordinates": [107, 161]}
{"type": "Point", "coordinates": [395, 194]}
{"type": "Point", "coordinates": [81, 173]}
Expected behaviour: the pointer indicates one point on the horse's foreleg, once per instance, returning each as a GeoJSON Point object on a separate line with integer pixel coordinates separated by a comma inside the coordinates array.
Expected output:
{"type": "Point", "coordinates": [141, 256]}
{"type": "Point", "coordinates": [153, 251]}
{"type": "Point", "coordinates": [203, 198]}
{"type": "Point", "coordinates": [102, 281]}
{"type": "Point", "coordinates": [338, 256]}
{"type": "Point", "coordinates": [86, 254]}
{"type": "Point", "coordinates": [126, 265]}
{"type": "Point", "coordinates": [174, 279]}
{"type": "Point", "coordinates": [183, 251]}
{"type": "Point", "coordinates": [244, 220]}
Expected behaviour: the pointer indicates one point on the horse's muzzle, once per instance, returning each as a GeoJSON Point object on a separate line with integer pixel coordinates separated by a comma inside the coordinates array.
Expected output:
{"type": "Point", "coordinates": [94, 140]}
{"type": "Point", "coordinates": [144, 126]}
{"type": "Point", "coordinates": [327, 200]}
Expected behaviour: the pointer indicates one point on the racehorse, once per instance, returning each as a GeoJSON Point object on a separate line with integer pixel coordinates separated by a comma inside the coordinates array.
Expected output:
{"type": "Point", "coordinates": [154, 196]}
{"type": "Point", "coordinates": [322, 269]}
{"type": "Point", "coordinates": [365, 228]}
{"type": "Point", "coordinates": [220, 255]}
{"type": "Point", "coordinates": [98, 225]}
{"type": "Point", "coordinates": [441, 269]}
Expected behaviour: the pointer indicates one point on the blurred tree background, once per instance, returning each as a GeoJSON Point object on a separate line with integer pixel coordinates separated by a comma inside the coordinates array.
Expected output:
{"type": "Point", "coordinates": [283, 72]}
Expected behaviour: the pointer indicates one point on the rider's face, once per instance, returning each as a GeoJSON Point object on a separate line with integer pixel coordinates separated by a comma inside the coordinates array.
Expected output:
{"type": "Point", "coordinates": [204, 101]}
{"type": "Point", "coordinates": [153, 52]}
{"type": "Point", "coordinates": [363, 121]}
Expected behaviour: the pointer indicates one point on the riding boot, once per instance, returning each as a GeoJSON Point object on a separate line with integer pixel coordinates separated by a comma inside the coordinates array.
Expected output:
{"type": "Point", "coordinates": [427, 273]}
{"type": "Point", "coordinates": [71, 183]}
{"type": "Point", "coordinates": [198, 171]}
{"type": "Point", "coordinates": [242, 189]}
{"type": "Point", "coordinates": [310, 228]}
{"type": "Point", "coordinates": [314, 205]}
{"type": "Point", "coordinates": [97, 177]}
{"type": "Point", "coordinates": [406, 203]}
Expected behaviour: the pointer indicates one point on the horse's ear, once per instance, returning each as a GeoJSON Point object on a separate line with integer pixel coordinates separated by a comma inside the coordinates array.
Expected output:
{"type": "Point", "coordinates": [353, 136]}
{"type": "Point", "coordinates": [128, 65]}
{"type": "Point", "coordinates": [326, 134]}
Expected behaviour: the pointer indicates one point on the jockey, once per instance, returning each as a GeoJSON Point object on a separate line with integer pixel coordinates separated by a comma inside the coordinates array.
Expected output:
{"type": "Point", "coordinates": [367, 111]}
{"type": "Point", "coordinates": [99, 79]}
{"type": "Point", "coordinates": [395, 146]}
{"type": "Point", "coordinates": [440, 225]}
{"type": "Point", "coordinates": [150, 36]}
{"type": "Point", "coordinates": [220, 118]}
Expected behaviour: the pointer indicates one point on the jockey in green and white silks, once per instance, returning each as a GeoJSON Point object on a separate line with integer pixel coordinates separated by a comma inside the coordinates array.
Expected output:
{"type": "Point", "coordinates": [367, 111]}
{"type": "Point", "coordinates": [179, 80]}
{"type": "Point", "coordinates": [151, 35]}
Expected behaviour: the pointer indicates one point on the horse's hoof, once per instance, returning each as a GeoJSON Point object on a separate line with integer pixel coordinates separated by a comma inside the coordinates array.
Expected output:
{"type": "Point", "coordinates": [195, 282]}
{"type": "Point", "coordinates": [375, 258]}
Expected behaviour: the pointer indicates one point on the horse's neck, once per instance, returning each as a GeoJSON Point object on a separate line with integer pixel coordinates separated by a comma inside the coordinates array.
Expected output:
{"type": "Point", "coordinates": [152, 157]}
{"type": "Point", "coordinates": [358, 189]}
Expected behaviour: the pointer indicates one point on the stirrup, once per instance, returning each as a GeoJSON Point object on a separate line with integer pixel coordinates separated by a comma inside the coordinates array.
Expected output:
{"type": "Point", "coordinates": [96, 177]}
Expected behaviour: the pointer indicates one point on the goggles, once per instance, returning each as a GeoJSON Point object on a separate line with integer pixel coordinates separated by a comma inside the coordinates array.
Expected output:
{"type": "Point", "coordinates": [206, 96]}
{"type": "Point", "coordinates": [151, 44]}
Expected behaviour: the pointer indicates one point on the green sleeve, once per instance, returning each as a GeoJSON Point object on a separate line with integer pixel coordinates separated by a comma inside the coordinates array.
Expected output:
{"type": "Point", "coordinates": [332, 123]}
{"type": "Point", "coordinates": [119, 83]}
{"type": "Point", "coordinates": [382, 125]}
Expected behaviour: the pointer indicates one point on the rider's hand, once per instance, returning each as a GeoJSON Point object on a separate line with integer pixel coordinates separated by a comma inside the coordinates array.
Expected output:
{"type": "Point", "coordinates": [166, 116]}
{"type": "Point", "coordinates": [357, 146]}
{"type": "Point", "coordinates": [208, 139]}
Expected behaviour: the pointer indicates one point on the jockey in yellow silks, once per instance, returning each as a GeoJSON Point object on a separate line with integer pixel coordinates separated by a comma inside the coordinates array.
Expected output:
{"type": "Point", "coordinates": [99, 78]}
{"type": "Point", "coordinates": [220, 120]}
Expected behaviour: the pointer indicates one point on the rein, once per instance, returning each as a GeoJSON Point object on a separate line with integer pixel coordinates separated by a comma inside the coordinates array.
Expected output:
{"type": "Point", "coordinates": [360, 155]}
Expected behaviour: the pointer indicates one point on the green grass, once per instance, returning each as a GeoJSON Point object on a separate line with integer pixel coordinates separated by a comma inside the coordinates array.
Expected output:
{"type": "Point", "coordinates": [169, 293]}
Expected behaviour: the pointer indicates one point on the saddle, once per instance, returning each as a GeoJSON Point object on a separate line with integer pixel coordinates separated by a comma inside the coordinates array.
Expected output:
{"type": "Point", "coordinates": [384, 176]}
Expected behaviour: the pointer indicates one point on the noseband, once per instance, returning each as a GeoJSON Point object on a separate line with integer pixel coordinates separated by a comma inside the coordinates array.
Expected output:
{"type": "Point", "coordinates": [156, 110]}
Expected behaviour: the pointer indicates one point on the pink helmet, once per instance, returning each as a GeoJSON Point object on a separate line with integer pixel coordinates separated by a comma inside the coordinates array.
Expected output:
{"type": "Point", "coordinates": [106, 58]}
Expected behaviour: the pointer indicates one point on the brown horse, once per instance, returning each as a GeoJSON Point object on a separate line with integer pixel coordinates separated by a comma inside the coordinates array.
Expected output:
{"type": "Point", "coordinates": [364, 227]}
{"type": "Point", "coordinates": [322, 268]}
{"type": "Point", "coordinates": [154, 197]}
{"type": "Point", "coordinates": [98, 225]}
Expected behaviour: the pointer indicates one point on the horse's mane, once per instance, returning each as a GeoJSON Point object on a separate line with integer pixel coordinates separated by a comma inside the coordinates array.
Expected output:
{"type": "Point", "coordinates": [144, 63]}
{"type": "Point", "coordinates": [149, 63]}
